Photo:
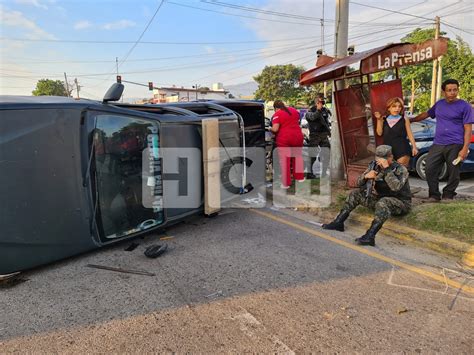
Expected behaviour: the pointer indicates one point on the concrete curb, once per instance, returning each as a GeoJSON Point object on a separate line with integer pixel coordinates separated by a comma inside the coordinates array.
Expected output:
{"type": "Point", "coordinates": [421, 238]}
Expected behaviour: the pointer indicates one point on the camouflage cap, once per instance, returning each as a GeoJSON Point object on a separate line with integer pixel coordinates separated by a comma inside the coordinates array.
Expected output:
{"type": "Point", "coordinates": [383, 151]}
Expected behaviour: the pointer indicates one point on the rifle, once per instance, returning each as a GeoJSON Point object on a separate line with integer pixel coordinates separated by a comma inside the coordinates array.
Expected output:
{"type": "Point", "coordinates": [370, 182]}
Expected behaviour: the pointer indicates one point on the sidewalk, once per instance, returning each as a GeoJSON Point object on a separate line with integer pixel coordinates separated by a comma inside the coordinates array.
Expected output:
{"type": "Point", "coordinates": [464, 190]}
{"type": "Point", "coordinates": [394, 227]}
{"type": "Point", "coordinates": [418, 237]}
{"type": "Point", "coordinates": [423, 238]}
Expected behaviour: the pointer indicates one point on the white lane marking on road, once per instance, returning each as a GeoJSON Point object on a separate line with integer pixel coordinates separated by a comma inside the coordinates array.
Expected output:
{"type": "Point", "coordinates": [445, 292]}
{"type": "Point", "coordinates": [250, 325]}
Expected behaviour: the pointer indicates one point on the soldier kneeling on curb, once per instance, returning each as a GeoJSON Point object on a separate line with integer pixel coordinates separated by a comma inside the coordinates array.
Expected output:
{"type": "Point", "coordinates": [384, 187]}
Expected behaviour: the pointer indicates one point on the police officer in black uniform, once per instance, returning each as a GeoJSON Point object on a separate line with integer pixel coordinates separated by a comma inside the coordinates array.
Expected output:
{"type": "Point", "coordinates": [318, 118]}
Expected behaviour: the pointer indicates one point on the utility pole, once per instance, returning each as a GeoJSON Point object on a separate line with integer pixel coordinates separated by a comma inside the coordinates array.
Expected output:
{"type": "Point", "coordinates": [67, 85]}
{"type": "Point", "coordinates": [434, 78]}
{"type": "Point", "coordinates": [412, 98]}
{"type": "Point", "coordinates": [340, 51]}
{"type": "Point", "coordinates": [325, 85]}
{"type": "Point", "coordinates": [116, 64]}
{"type": "Point", "coordinates": [78, 87]}
{"type": "Point", "coordinates": [196, 87]}
{"type": "Point", "coordinates": [322, 31]}
{"type": "Point", "coordinates": [440, 79]}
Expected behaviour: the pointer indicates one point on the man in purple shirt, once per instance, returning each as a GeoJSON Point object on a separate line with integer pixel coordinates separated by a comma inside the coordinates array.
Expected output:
{"type": "Point", "coordinates": [454, 119]}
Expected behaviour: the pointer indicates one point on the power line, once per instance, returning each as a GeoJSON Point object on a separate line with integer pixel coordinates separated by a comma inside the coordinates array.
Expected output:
{"type": "Point", "coordinates": [139, 38]}
{"type": "Point", "coordinates": [193, 66]}
{"type": "Point", "coordinates": [15, 87]}
{"type": "Point", "coordinates": [447, 24]}
{"type": "Point", "coordinates": [205, 63]}
{"type": "Point", "coordinates": [197, 64]}
{"type": "Point", "coordinates": [267, 12]}
{"type": "Point", "coordinates": [236, 15]}
{"type": "Point", "coordinates": [312, 47]}
{"type": "Point", "coordinates": [406, 8]}
{"type": "Point", "coordinates": [216, 54]}
{"type": "Point", "coordinates": [213, 61]}
{"type": "Point", "coordinates": [459, 11]}
{"type": "Point", "coordinates": [294, 60]}
{"type": "Point", "coordinates": [263, 19]}
{"type": "Point", "coordinates": [143, 42]}
{"type": "Point", "coordinates": [392, 11]}
{"type": "Point", "coordinates": [416, 16]}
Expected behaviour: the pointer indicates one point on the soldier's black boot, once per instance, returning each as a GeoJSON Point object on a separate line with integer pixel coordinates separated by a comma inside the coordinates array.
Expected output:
{"type": "Point", "coordinates": [338, 223]}
{"type": "Point", "coordinates": [369, 237]}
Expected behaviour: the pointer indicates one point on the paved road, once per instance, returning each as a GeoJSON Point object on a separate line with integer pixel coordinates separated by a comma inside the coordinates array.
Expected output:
{"type": "Point", "coordinates": [465, 188]}
{"type": "Point", "coordinates": [242, 281]}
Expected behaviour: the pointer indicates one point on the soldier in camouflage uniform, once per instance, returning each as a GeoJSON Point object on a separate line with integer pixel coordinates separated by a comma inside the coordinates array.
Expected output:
{"type": "Point", "coordinates": [318, 118]}
{"type": "Point", "coordinates": [390, 194]}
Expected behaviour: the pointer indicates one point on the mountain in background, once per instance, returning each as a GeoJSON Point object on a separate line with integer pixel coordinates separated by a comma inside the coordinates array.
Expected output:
{"type": "Point", "coordinates": [244, 90]}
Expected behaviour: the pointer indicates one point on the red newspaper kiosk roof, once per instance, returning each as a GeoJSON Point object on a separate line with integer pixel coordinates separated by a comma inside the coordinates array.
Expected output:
{"type": "Point", "coordinates": [378, 59]}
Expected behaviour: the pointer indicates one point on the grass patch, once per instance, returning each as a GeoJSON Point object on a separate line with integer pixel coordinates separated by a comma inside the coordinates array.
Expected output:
{"type": "Point", "coordinates": [454, 219]}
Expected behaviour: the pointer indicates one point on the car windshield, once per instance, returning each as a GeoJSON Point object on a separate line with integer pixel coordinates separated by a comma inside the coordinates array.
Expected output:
{"type": "Point", "coordinates": [119, 142]}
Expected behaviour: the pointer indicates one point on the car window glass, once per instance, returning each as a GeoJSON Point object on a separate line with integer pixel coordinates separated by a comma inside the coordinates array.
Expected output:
{"type": "Point", "coordinates": [119, 143]}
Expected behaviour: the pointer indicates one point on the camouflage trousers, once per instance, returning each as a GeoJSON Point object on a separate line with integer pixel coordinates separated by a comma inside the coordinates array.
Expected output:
{"type": "Point", "coordinates": [384, 207]}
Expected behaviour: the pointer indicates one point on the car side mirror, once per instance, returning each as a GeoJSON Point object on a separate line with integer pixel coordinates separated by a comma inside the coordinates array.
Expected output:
{"type": "Point", "coordinates": [114, 93]}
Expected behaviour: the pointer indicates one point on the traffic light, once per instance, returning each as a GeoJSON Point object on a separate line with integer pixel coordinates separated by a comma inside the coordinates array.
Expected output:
{"type": "Point", "coordinates": [150, 85]}
{"type": "Point", "coordinates": [119, 79]}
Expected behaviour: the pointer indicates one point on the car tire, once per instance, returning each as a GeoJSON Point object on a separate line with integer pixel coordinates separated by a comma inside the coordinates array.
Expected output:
{"type": "Point", "coordinates": [420, 168]}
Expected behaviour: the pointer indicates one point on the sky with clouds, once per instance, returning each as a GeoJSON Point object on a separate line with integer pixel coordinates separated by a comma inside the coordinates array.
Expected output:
{"type": "Point", "coordinates": [188, 42]}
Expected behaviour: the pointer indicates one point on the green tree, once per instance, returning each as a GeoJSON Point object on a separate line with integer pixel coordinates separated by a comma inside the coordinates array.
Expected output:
{"type": "Point", "coordinates": [48, 87]}
{"type": "Point", "coordinates": [308, 95]}
{"type": "Point", "coordinates": [279, 82]}
{"type": "Point", "coordinates": [457, 64]}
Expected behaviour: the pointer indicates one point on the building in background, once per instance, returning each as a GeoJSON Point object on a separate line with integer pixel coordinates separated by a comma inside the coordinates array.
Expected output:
{"type": "Point", "coordinates": [180, 94]}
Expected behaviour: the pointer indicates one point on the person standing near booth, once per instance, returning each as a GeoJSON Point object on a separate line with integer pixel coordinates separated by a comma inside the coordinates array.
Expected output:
{"type": "Point", "coordinates": [289, 141]}
{"type": "Point", "coordinates": [318, 118]}
{"type": "Point", "coordinates": [396, 131]}
{"type": "Point", "coordinates": [454, 119]}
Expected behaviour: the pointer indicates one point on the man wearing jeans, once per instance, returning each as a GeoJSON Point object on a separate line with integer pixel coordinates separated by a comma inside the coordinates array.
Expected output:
{"type": "Point", "coordinates": [454, 119]}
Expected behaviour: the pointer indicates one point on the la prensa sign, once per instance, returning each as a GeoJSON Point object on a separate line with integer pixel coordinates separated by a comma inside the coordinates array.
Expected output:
{"type": "Point", "coordinates": [404, 54]}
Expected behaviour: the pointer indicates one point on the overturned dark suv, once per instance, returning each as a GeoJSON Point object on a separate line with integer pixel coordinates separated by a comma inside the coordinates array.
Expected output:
{"type": "Point", "coordinates": [72, 171]}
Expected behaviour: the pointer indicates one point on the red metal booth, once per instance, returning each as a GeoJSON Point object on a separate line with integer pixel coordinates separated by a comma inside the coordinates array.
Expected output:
{"type": "Point", "coordinates": [360, 96]}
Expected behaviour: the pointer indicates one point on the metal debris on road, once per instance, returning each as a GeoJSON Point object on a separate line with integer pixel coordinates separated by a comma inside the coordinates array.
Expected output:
{"type": "Point", "coordinates": [166, 238]}
{"type": "Point", "coordinates": [116, 269]}
{"type": "Point", "coordinates": [402, 310]}
{"type": "Point", "coordinates": [215, 294]}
